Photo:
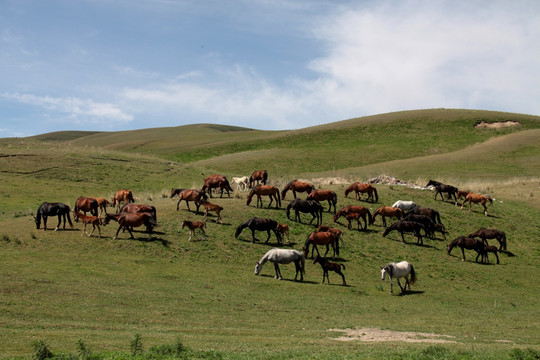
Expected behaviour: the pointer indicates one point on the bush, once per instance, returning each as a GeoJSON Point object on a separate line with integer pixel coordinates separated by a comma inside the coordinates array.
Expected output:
{"type": "Point", "coordinates": [524, 354]}
{"type": "Point", "coordinates": [41, 350]}
{"type": "Point", "coordinates": [175, 349]}
{"type": "Point", "coordinates": [136, 345]}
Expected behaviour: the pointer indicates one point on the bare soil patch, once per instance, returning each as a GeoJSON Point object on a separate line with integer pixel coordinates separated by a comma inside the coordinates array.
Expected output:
{"type": "Point", "coordinates": [496, 125]}
{"type": "Point", "coordinates": [378, 335]}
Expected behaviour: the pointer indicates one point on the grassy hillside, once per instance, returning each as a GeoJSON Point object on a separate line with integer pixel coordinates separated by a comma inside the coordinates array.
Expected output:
{"type": "Point", "coordinates": [61, 287]}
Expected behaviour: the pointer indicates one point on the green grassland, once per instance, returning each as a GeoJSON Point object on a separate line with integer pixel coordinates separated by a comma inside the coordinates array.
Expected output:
{"type": "Point", "coordinates": [61, 287]}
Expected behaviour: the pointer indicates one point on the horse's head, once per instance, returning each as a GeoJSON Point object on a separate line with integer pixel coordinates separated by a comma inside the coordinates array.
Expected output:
{"type": "Point", "coordinates": [258, 267]}
{"type": "Point", "coordinates": [173, 192]}
{"type": "Point", "coordinates": [250, 196]}
{"type": "Point", "coordinates": [383, 272]}
{"type": "Point", "coordinates": [37, 219]}
{"type": "Point", "coordinates": [337, 215]}
{"type": "Point", "coordinates": [305, 251]}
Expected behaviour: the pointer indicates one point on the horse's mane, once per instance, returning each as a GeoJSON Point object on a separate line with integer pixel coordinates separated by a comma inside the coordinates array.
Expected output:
{"type": "Point", "coordinates": [389, 269]}
{"type": "Point", "coordinates": [290, 183]}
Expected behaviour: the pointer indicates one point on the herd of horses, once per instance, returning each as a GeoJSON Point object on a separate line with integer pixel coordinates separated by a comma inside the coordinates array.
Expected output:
{"type": "Point", "coordinates": [409, 218]}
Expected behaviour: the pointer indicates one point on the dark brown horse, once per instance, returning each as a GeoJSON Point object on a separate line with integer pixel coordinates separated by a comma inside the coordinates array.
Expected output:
{"type": "Point", "coordinates": [138, 208]}
{"type": "Point", "coordinates": [306, 206]}
{"type": "Point", "coordinates": [124, 195]}
{"type": "Point", "coordinates": [260, 224]}
{"type": "Point", "coordinates": [260, 175]}
{"type": "Point", "coordinates": [330, 266]}
{"type": "Point", "coordinates": [128, 221]}
{"type": "Point", "coordinates": [86, 204]}
{"type": "Point", "coordinates": [265, 190]}
{"type": "Point", "coordinates": [297, 186]}
{"type": "Point", "coordinates": [441, 188]}
{"type": "Point", "coordinates": [407, 226]}
{"type": "Point", "coordinates": [47, 209]}
{"type": "Point", "coordinates": [387, 211]}
{"type": "Point", "coordinates": [322, 195]}
{"type": "Point", "coordinates": [467, 243]}
{"type": "Point", "coordinates": [189, 195]}
{"type": "Point", "coordinates": [217, 182]}
{"type": "Point", "coordinates": [485, 234]}
{"type": "Point", "coordinates": [321, 238]}
{"type": "Point", "coordinates": [477, 199]}
{"type": "Point", "coordinates": [432, 213]}
{"type": "Point", "coordinates": [490, 249]}
{"type": "Point", "coordinates": [363, 211]}
{"type": "Point", "coordinates": [362, 188]}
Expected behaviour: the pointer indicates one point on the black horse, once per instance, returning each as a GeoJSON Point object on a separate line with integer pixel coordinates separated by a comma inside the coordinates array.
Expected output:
{"type": "Point", "coordinates": [259, 224]}
{"type": "Point", "coordinates": [432, 213]}
{"type": "Point", "coordinates": [441, 188]}
{"type": "Point", "coordinates": [52, 209]}
{"type": "Point", "coordinates": [306, 206]}
{"type": "Point", "coordinates": [423, 219]}
{"type": "Point", "coordinates": [407, 226]}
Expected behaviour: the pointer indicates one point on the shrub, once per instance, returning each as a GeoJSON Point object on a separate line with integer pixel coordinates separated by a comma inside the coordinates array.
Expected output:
{"type": "Point", "coordinates": [41, 350]}
{"type": "Point", "coordinates": [136, 345]}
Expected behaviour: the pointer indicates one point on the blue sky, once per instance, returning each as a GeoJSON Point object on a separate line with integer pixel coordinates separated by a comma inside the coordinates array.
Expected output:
{"type": "Point", "coordinates": [131, 64]}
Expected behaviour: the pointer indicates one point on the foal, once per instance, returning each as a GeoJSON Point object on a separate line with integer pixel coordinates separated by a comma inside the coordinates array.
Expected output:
{"type": "Point", "coordinates": [283, 229]}
{"type": "Point", "coordinates": [490, 249]}
{"type": "Point", "coordinates": [212, 207]}
{"type": "Point", "coordinates": [86, 219]}
{"type": "Point", "coordinates": [192, 226]}
{"type": "Point", "coordinates": [327, 266]}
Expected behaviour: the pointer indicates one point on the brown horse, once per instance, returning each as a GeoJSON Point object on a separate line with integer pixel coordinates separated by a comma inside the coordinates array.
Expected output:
{"type": "Point", "coordinates": [283, 230]}
{"type": "Point", "coordinates": [330, 266]}
{"type": "Point", "coordinates": [467, 243]}
{"type": "Point", "coordinates": [194, 225]}
{"type": "Point", "coordinates": [462, 194]}
{"type": "Point", "coordinates": [297, 186]}
{"type": "Point", "coordinates": [102, 204]}
{"type": "Point", "coordinates": [364, 212]}
{"type": "Point", "coordinates": [138, 208]}
{"type": "Point", "coordinates": [477, 199]}
{"type": "Point", "coordinates": [128, 221]}
{"type": "Point", "coordinates": [260, 175]}
{"type": "Point", "coordinates": [123, 195]}
{"type": "Point", "coordinates": [212, 207]}
{"type": "Point", "coordinates": [264, 190]}
{"type": "Point", "coordinates": [217, 182]}
{"type": "Point", "coordinates": [407, 226]}
{"type": "Point", "coordinates": [321, 238]}
{"type": "Point", "coordinates": [86, 204]}
{"type": "Point", "coordinates": [85, 219]}
{"type": "Point", "coordinates": [362, 188]}
{"type": "Point", "coordinates": [189, 195]}
{"type": "Point", "coordinates": [335, 231]}
{"type": "Point", "coordinates": [490, 249]}
{"type": "Point", "coordinates": [322, 195]}
{"type": "Point", "coordinates": [484, 234]}
{"type": "Point", "coordinates": [385, 211]}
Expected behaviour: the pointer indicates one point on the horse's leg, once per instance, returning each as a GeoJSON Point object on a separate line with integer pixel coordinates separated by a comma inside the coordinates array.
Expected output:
{"type": "Point", "coordinates": [268, 238]}
{"type": "Point", "coordinates": [401, 287]}
{"type": "Point", "coordinates": [391, 285]}
{"type": "Point", "coordinates": [117, 231]}
{"type": "Point", "coordinates": [402, 237]}
{"type": "Point", "coordinates": [278, 272]}
{"type": "Point", "coordinates": [59, 221]}
{"type": "Point", "coordinates": [485, 207]}
{"type": "Point", "coordinates": [190, 234]}
{"type": "Point", "coordinates": [463, 252]}
{"type": "Point", "coordinates": [497, 256]}
{"type": "Point", "coordinates": [342, 276]}
{"type": "Point", "coordinates": [384, 220]}
{"type": "Point", "coordinates": [253, 236]}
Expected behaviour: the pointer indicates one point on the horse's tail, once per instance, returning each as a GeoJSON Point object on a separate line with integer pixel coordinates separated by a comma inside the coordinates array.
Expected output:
{"type": "Point", "coordinates": [303, 264]}
{"type": "Point", "coordinates": [413, 275]}
{"type": "Point", "coordinates": [288, 210]}
{"type": "Point", "coordinates": [130, 198]}
{"type": "Point", "coordinates": [343, 266]}
{"type": "Point", "coordinates": [368, 213]}
{"type": "Point", "coordinates": [154, 212]}
{"type": "Point", "coordinates": [438, 217]}
{"type": "Point", "coordinates": [69, 216]}
{"type": "Point", "coordinates": [376, 194]}
{"type": "Point", "coordinates": [278, 197]}
{"type": "Point", "coordinates": [503, 240]}
{"type": "Point", "coordinates": [490, 200]}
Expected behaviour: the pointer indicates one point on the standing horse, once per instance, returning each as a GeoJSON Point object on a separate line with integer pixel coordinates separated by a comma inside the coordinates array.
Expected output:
{"type": "Point", "coordinates": [139, 208]}
{"type": "Point", "coordinates": [189, 195]}
{"type": "Point", "coordinates": [52, 209]}
{"type": "Point", "coordinates": [306, 206]}
{"type": "Point", "coordinates": [212, 207]}
{"type": "Point", "coordinates": [432, 213]}
{"type": "Point", "coordinates": [264, 190]}
{"type": "Point", "coordinates": [259, 224]}
{"type": "Point", "coordinates": [490, 249]}
{"type": "Point", "coordinates": [484, 234]}
{"type": "Point", "coordinates": [123, 195]}
{"type": "Point", "coordinates": [385, 211]}
{"type": "Point", "coordinates": [283, 256]}
{"type": "Point", "coordinates": [321, 238]}
{"type": "Point", "coordinates": [362, 188]}
{"type": "Point", "coordinates": [322, 195]}
{"type": "Point", "coordinates": [402, 269]}
{"type": "Point", "coordinates": [217, 181]}
{"type": "Point", "coordinates": [86, 204]}
{"type": "Point", "coordinates": [330, 266]}
{"type": "Point", "coordinates": [102, 204]}
{"type": "Point", "coordinates": [364, 213]}
{"type": "Point", "coordinates": [128, 221]}
{"type": "Point", "coordinates": [260, 175]}
{"type": "Point", "coordinates": [467, 243]}
{"type": "Point", "coordinates": [405, 205]}
{"type": "Point", "coordinates": [477, 198]}
{"type": "Point", "coordinates": [297, 186]}
{"type": "Point", "coordinates": [406, 226]}
{"type": "Point", "coordinates": [194, 225]}
{"type": "Point", "coordinates": [441, 188]}
{"type": "Point", "coordinates": [242, 183]}
{"type": "Point", "coordinates": [94, 220]}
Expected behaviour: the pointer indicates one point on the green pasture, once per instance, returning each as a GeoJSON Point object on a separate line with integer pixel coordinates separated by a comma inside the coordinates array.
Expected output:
{"type": "Point", "coordinates": [63, 288]}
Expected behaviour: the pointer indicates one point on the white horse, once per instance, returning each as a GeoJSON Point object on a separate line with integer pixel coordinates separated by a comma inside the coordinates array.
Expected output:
{"type": "Point", "coordinates": [242, 183]}
{"type": "Point", "coordinates": [404, 205]}
{"type": "Point", "coordinates": [283, 256]}
{"type": "Point", "coordinates": [399, 270]}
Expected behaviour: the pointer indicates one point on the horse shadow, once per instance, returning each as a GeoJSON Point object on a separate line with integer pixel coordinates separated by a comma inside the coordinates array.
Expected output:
{"type": "Point", "coordinates": [291, 280]}
{"type": "Point", "coordinates": [411, 292]}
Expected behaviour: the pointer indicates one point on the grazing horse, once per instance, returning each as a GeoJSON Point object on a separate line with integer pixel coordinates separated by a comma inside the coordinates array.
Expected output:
{"type": "Point", "coordinates": [404, 205]}
{"type": "Point", "coordinates": [283, 256]}
{"type": "Point", "coordinates": [85, 219]}
{"type": "Point", "coordinates": [102, 204]}
{"type": "Point", "coordinates": [462, 194]}
{"type": "Point", "coordinates": [123, 195]}
{"type": "Point", "coordinates": [217, 181]}
{"type": "Point", "coordinates": [128, 221]}
{"type": "Point", "coordinates": [85, 204]}
{"type": "Point", "coordinates": [330, 266]}
{"type": "Point", "coordinates": [52, 209]}
{"type": "Point", "coordinates": [264, 190]}
{"type": "Point", "coordinates": [306, 206]}
{"type": "Point", "coordinates": [362, 188]}
{"type": "Point", "coordinates": [335, 231]}
{"type": "Point", "coordinates": [406, 226]}
{"type": "Point", "coordinates": [364, 212]}
{"type": "Point", "coordinates": [385, 211]}
{"type": "Point", "coordinates": [260, 175]}
{"type": "Point", "coordinates": [321, 238]}
{"type": "Point", "coordinates": [477, 198]}
{"type": "Point", "coordinates": [194, 225]}
{"type": "Point", "coordinates": [490, 249]}
{"type": "Point", "coordinates": [212, 207]}
{"type": "Point", "coordinates": [139, 208]}
{"type": "Point", "coordinates": [402, 269]}
{"type": "Point", "coordinates": [242, 183]}
{"type": "Point", "coordinates": [283, 231]}
{"type": "Point", "coordinates": [322, 195]}
{"type": "Point", "coordinates": [297, 186]}
{"type": "Point", "coordinates": [441, 188]}
{"type": "Point", "coordinates": [484, 234]}
{"type": "Point", "coordinates": [425, 220]}
{"type": "Point", "coordinates": [432, 213]}
{"type": "Point", "coordinates": [189, 195]}
{"type": "Point", "coordinates": [259, 224]}
{"type": "Point", "coordinates": [467, 243]}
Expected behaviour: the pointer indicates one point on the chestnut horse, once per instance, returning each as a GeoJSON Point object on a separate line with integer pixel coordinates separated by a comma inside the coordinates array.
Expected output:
{"type": "Point", "coordinates": [212, 207]}
{"type": "Point", "coordinates": [462, 194]}
{"type": "Point", "coordinates": [297, 186]}
{"type": "Point", "coordinates": [128, 221]}
{"type": "Point", "coordinates": [362, 188]}
{"type": "Point", "coordinates": [123, 195]}
{"type": "Point", "coordinates": [260, 175]}
{"type": "Point", "coordinates": [102, 204]}
{"type": "Point", "coordinates": [85, 219]}
{"type": "Point", "coordinates": [322, 195]}
{"type": "Point", "coordinates": [364, 213]}
{"type": "Point", "coordinates": [321, 238]}
{"type": "Point", "coordinates": [194, 225]}
{"type": "Point", "coordinates": [264, 190]}
{"type": "Point", "coordinates": [477, 199]}
{"type": "Point", "coordinates": [484, 234]}
{"type": "Point", "coordinates": [86, 204]}
{"type": "Point", "coordinates": [189, 195]}
{"type": "Point", "coordinates": [385, 211]}
{"type": "Point", "coordinates": [215, 182]}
